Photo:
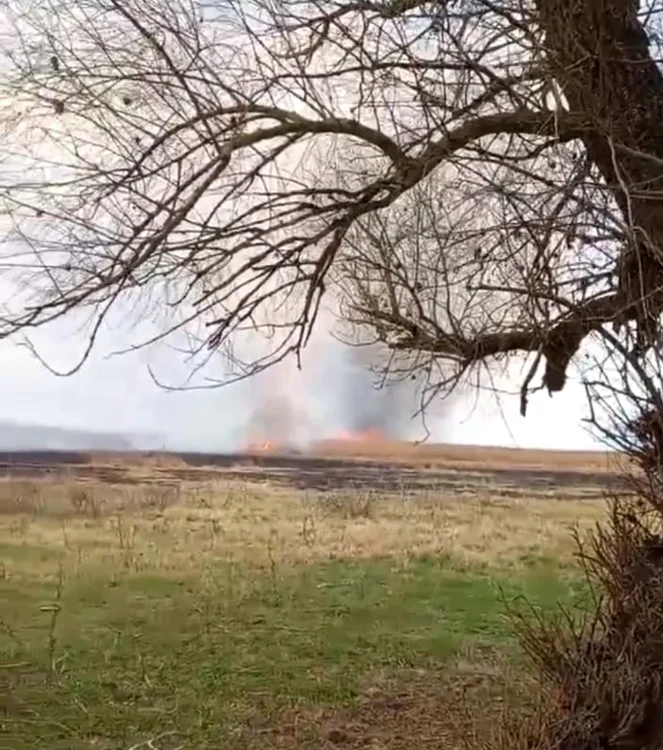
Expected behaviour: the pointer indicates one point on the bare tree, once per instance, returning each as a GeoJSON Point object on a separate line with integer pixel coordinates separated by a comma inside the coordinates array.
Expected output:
{"type": "Point", "coordinates": [474, 178]}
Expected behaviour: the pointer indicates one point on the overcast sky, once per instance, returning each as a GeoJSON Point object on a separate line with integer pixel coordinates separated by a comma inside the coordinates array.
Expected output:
{"type": "Point", "coordinates": [117, 394]}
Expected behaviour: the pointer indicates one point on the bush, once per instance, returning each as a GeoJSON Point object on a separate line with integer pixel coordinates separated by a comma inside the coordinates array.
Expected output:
{"type": "Point", "coordinates": [600, 674]}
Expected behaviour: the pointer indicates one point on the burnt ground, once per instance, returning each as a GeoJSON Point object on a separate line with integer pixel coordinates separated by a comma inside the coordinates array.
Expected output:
{"type": "Point", "coordinates": [301, 471]}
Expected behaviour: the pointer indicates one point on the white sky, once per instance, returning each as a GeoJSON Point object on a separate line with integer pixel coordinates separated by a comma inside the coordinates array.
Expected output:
{"type": "Point", "coordinates": [118, 394]}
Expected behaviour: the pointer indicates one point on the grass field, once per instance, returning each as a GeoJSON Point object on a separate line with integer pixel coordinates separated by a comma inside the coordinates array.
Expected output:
{"type": "Point", "coordinates": [233, 616]}
{"type": "Point", "coordinates": [470, 456]}
{"type": "Point", "coordinates": [426, 454]}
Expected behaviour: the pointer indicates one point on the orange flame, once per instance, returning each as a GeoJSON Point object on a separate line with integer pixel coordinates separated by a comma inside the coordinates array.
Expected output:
{"type": "Point", "coordinates": [361, 436]}
{"type": "Point", "coordinates": [260, 446]}
{"type": "Point", "coordinates": [353, 442]}
{"type": "Point", "coordinates": [372, 436]}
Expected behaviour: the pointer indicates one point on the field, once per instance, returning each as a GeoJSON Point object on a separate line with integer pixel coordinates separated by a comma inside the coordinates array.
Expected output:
{"type": "Point", "coordinates": [145, 608]}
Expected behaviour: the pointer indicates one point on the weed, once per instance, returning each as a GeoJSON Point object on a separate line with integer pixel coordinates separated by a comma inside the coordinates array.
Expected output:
{"type": "Point", "coordinates": [308, 530]}
{"type": "Point", "coordinates": [234, 494]}
{"type": "Point", "coordinates": [273, 565]}
{"type": "Point", "coordinates": [125, 533]}
{"type": "Point", "coordinates": [84, 502]}
{"type": "Point", "coordinates": [160, 496]}
{"type": "Point", "coordinates": [54, 609]}
{"type": "Point", "coordinates": [10, 633]}
{"type": "Point", "coordinates": [350, 505]}
{"type": "Point", "coordinates": [21, 497]}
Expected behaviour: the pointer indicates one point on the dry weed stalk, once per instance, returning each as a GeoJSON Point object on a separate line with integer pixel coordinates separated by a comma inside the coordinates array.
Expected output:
{"type": "Point", "coordinates": [600, 673]}
{"type": "Point", "coordinates": [350, 505]}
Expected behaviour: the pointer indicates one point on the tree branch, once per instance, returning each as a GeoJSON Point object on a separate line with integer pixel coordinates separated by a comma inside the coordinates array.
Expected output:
{"type": "Point", "coordinates": [557, 344]}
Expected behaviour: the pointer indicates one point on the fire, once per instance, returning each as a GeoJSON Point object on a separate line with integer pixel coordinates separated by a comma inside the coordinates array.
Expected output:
{"type": "Point", "coordinates": [260, 446]}
{"type": "Point", "coordinates": [360, 436]}
{"type": "Point", "coordinates": [352, 442]}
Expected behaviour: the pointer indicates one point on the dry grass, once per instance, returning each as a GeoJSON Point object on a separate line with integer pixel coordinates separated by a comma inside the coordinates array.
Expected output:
{"type": "Point", "coordinates": [599, 681]}
{"type": "Point", "coordinates": [178, 527]}
{"type": "Point", "coordinates": [412, 709]}
{"type": "Point", "coordinates": [424, 455]}
{"type": "Point", "coordinates": [470, 456]}
{"type": "Point", "coordinates": [149, 460]}
{"type": "Point", "coordinates": [293, 620]}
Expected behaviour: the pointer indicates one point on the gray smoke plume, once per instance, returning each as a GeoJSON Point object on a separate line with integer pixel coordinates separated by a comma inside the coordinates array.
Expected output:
{"type": "Point", "coordinates": [336, 393]}
{"type": "Point", "coordinates": [369, 404]}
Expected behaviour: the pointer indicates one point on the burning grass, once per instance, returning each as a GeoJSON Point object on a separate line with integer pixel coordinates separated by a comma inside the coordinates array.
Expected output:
{"type": "Point", "coordinates": [228, 615]}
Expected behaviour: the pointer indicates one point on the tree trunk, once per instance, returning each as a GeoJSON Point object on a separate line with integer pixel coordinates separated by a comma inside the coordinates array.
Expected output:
{"type": "Point", "coordinates": [601, 58]}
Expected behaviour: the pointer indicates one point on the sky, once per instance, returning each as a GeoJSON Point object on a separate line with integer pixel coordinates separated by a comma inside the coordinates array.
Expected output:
{"type": "Point", "coordinates": [117, 394]}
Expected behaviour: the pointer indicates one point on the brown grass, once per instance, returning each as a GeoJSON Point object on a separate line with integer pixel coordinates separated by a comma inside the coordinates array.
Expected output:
{"type": "Point", "coordinates": [600, 679]}
{"type": "Point", "coordinates": [51, 531]}
{"type": "Point", "coordinates": [431, 709]}
{"type": "Point", "coordinates": [471, 456]}
{"type": "Point", "coordinates": [181, 527]}
{"type": "Point", "coordinates": [150, 460]}
{"type": "Point", "coordinates": [425, 455]}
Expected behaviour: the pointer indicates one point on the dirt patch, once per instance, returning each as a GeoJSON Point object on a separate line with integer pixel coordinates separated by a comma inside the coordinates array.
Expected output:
{"type": "Point", "coordinates": [417, 709]}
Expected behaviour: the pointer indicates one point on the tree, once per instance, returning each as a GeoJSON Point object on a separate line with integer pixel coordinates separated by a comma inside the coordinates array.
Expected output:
{"type": "Point", "coordinates": [470, 179]}
{"type": "Point", "coordinates": [473, 178]}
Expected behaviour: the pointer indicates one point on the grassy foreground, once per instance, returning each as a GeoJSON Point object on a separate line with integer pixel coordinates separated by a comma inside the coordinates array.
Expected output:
{"type": "Point", "coordinates": [236, 616]}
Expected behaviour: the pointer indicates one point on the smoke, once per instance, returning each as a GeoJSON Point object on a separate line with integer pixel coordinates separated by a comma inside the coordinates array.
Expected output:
{"type": "Point", "coordinates": [366, 404]}
{"type": "Point", "coordinates": [334, 393]}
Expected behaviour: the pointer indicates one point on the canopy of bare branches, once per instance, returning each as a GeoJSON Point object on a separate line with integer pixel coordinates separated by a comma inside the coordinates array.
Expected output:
{"type": "Point", "coordinates": [469, 178]}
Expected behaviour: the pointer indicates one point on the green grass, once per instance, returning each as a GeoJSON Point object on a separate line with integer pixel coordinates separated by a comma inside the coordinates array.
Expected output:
{"type": "Point", "coordinates": [122, 660]}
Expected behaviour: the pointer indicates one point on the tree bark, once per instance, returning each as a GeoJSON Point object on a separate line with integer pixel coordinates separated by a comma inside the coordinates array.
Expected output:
{"type": "Point", "coordinates": [600, 56]}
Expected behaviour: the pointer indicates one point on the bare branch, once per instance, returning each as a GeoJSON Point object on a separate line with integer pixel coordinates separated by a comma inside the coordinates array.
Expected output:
{"type": "Point", "coordinates": [470, 179]}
